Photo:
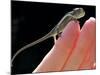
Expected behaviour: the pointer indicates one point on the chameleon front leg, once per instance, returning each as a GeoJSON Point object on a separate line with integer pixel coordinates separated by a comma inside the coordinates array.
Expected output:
{"type": "Point", "coordinates": [74, 19]}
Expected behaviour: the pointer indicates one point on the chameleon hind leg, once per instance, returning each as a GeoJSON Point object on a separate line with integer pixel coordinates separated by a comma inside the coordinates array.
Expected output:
{"type": "Point", "coordinates": [54, 38]}
{"type": "Point", "coordinates": [57, 35]}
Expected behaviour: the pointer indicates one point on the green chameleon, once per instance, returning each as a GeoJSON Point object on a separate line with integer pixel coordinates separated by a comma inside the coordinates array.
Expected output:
{"type": "Point", "coordinates": [75, 14]}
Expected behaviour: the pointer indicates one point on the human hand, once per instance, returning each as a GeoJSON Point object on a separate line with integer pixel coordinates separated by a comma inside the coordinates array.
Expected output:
{"type": "Point", "coordinates": [74, 50]}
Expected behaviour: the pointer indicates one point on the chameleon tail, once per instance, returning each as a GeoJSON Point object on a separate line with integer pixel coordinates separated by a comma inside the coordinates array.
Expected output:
{"type": "Point", "coordinates": [30, 45]}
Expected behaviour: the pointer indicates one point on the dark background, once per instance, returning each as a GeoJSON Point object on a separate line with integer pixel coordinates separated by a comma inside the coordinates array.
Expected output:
{"type": "Point", "coordinates": [29, 22]}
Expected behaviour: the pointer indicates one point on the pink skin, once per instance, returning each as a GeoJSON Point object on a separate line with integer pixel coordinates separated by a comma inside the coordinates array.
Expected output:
{"type": "Point", "coordinates": [74, 50]}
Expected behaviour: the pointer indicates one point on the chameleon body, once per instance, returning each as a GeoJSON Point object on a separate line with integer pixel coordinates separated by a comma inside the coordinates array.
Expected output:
{"type": "Point", "coordinates": [75, 14]}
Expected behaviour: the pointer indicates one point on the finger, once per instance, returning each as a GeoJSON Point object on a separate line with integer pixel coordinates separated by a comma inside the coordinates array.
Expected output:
{"type": "Point", "coordinates": [57, 56]}
{"type": "Point", "coordinates": [84, 44]}
{"type": "Point", "coordinates": [90, 57]}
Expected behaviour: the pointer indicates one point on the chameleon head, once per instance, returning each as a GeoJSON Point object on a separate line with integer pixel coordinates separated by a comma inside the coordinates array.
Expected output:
{"type": "Point", "coordinates": [78, 13]}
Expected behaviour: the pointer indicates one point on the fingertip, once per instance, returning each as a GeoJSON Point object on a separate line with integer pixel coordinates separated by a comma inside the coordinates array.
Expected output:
{"type": "Point", "coordinates": [91, 20]}
{"type": "Point", "coordinates": [72, 28]}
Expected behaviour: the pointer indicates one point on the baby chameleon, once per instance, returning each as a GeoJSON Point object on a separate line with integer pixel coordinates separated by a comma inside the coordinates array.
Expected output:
{"type": "Point", "coordinates": [75, 14]}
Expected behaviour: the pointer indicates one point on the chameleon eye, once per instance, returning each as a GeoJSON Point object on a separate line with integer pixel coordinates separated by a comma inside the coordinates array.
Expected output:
{"type": "Point", "coordinates": [76, 9]}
